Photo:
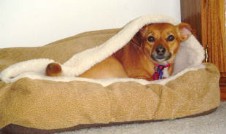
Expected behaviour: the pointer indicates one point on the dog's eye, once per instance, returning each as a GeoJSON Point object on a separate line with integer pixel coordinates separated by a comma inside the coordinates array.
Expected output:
{"type": "Point", "coordinates": [151, 39]}
{"type": "Point", "coordinates": [170, 38]}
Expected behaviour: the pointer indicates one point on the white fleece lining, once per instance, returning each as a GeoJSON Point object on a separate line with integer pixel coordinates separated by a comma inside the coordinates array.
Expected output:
{"type": "Point", "coordinates": [105, 82]}
{"type": "Point", "coordinates": [190, 54]}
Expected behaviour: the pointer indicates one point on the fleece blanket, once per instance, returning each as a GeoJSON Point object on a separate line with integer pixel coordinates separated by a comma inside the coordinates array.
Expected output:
{"type": "Point", "coordinates": [30, 99]}
{"type": "Point", "coordinates": [190, 54]}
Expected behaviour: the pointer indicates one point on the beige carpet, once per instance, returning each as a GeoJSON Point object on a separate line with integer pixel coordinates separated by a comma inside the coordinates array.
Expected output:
{"type": "Point", "coordinates": [214, 123]}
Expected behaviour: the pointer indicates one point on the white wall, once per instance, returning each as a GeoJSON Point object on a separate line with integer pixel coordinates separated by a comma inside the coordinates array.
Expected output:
{"type": "Point", "coordinates": [38, 22]}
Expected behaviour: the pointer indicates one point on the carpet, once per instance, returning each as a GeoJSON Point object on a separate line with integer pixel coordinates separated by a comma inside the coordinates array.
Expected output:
{"type": "Point", "coordinates": [214, 123]}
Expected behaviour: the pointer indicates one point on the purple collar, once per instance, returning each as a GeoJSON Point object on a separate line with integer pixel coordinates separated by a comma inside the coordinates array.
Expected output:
{"type": "Point", "coordinates": [158, 74]}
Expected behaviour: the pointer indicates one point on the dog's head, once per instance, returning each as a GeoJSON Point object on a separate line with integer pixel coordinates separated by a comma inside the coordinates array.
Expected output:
{"type": "Point", "coordinates": [160, 41]}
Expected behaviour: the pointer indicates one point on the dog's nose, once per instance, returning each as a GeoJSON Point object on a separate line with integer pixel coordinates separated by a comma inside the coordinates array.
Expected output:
{"type": "Point", "coordinates": [160, 50]}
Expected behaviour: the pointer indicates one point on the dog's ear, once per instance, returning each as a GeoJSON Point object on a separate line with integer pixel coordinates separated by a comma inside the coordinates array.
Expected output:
{"type": "Point", "coordinates": [184, 31]}
{"type": "Point", "coordinates": [138, 38]}
{"type": "Point", "coordinates": [143, 30]}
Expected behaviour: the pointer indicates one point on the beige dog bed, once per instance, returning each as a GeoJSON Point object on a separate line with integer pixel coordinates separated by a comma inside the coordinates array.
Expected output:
{"type": "Point", "coordinates": [32, 100]}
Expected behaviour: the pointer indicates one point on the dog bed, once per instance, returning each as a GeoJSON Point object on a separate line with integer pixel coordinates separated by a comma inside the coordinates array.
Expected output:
{"type": "Point", "coordinates": [31, 100]}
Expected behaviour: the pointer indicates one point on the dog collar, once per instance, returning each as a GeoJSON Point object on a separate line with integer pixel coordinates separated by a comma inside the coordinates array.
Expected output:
{"type": "Point", "coordinates": [159, 71]}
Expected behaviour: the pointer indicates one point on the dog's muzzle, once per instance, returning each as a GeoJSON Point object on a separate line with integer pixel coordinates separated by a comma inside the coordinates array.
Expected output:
{"type": "Point", "coordinates": [160, 54]}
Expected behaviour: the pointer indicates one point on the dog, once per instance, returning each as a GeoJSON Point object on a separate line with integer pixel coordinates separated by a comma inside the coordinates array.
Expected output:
{"type": "Point", "coordinates": [149, 55]}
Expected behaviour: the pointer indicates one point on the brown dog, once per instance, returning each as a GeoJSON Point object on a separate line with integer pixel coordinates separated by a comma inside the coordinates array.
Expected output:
{"type": "Point", "coordinates": [149, 55]}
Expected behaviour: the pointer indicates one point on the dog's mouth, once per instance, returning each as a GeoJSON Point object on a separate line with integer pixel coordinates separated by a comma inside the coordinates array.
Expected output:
{"type": "Point", "coordinates": [161, 57]}
{"type": "Point", "coordinates": [160, 54]}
